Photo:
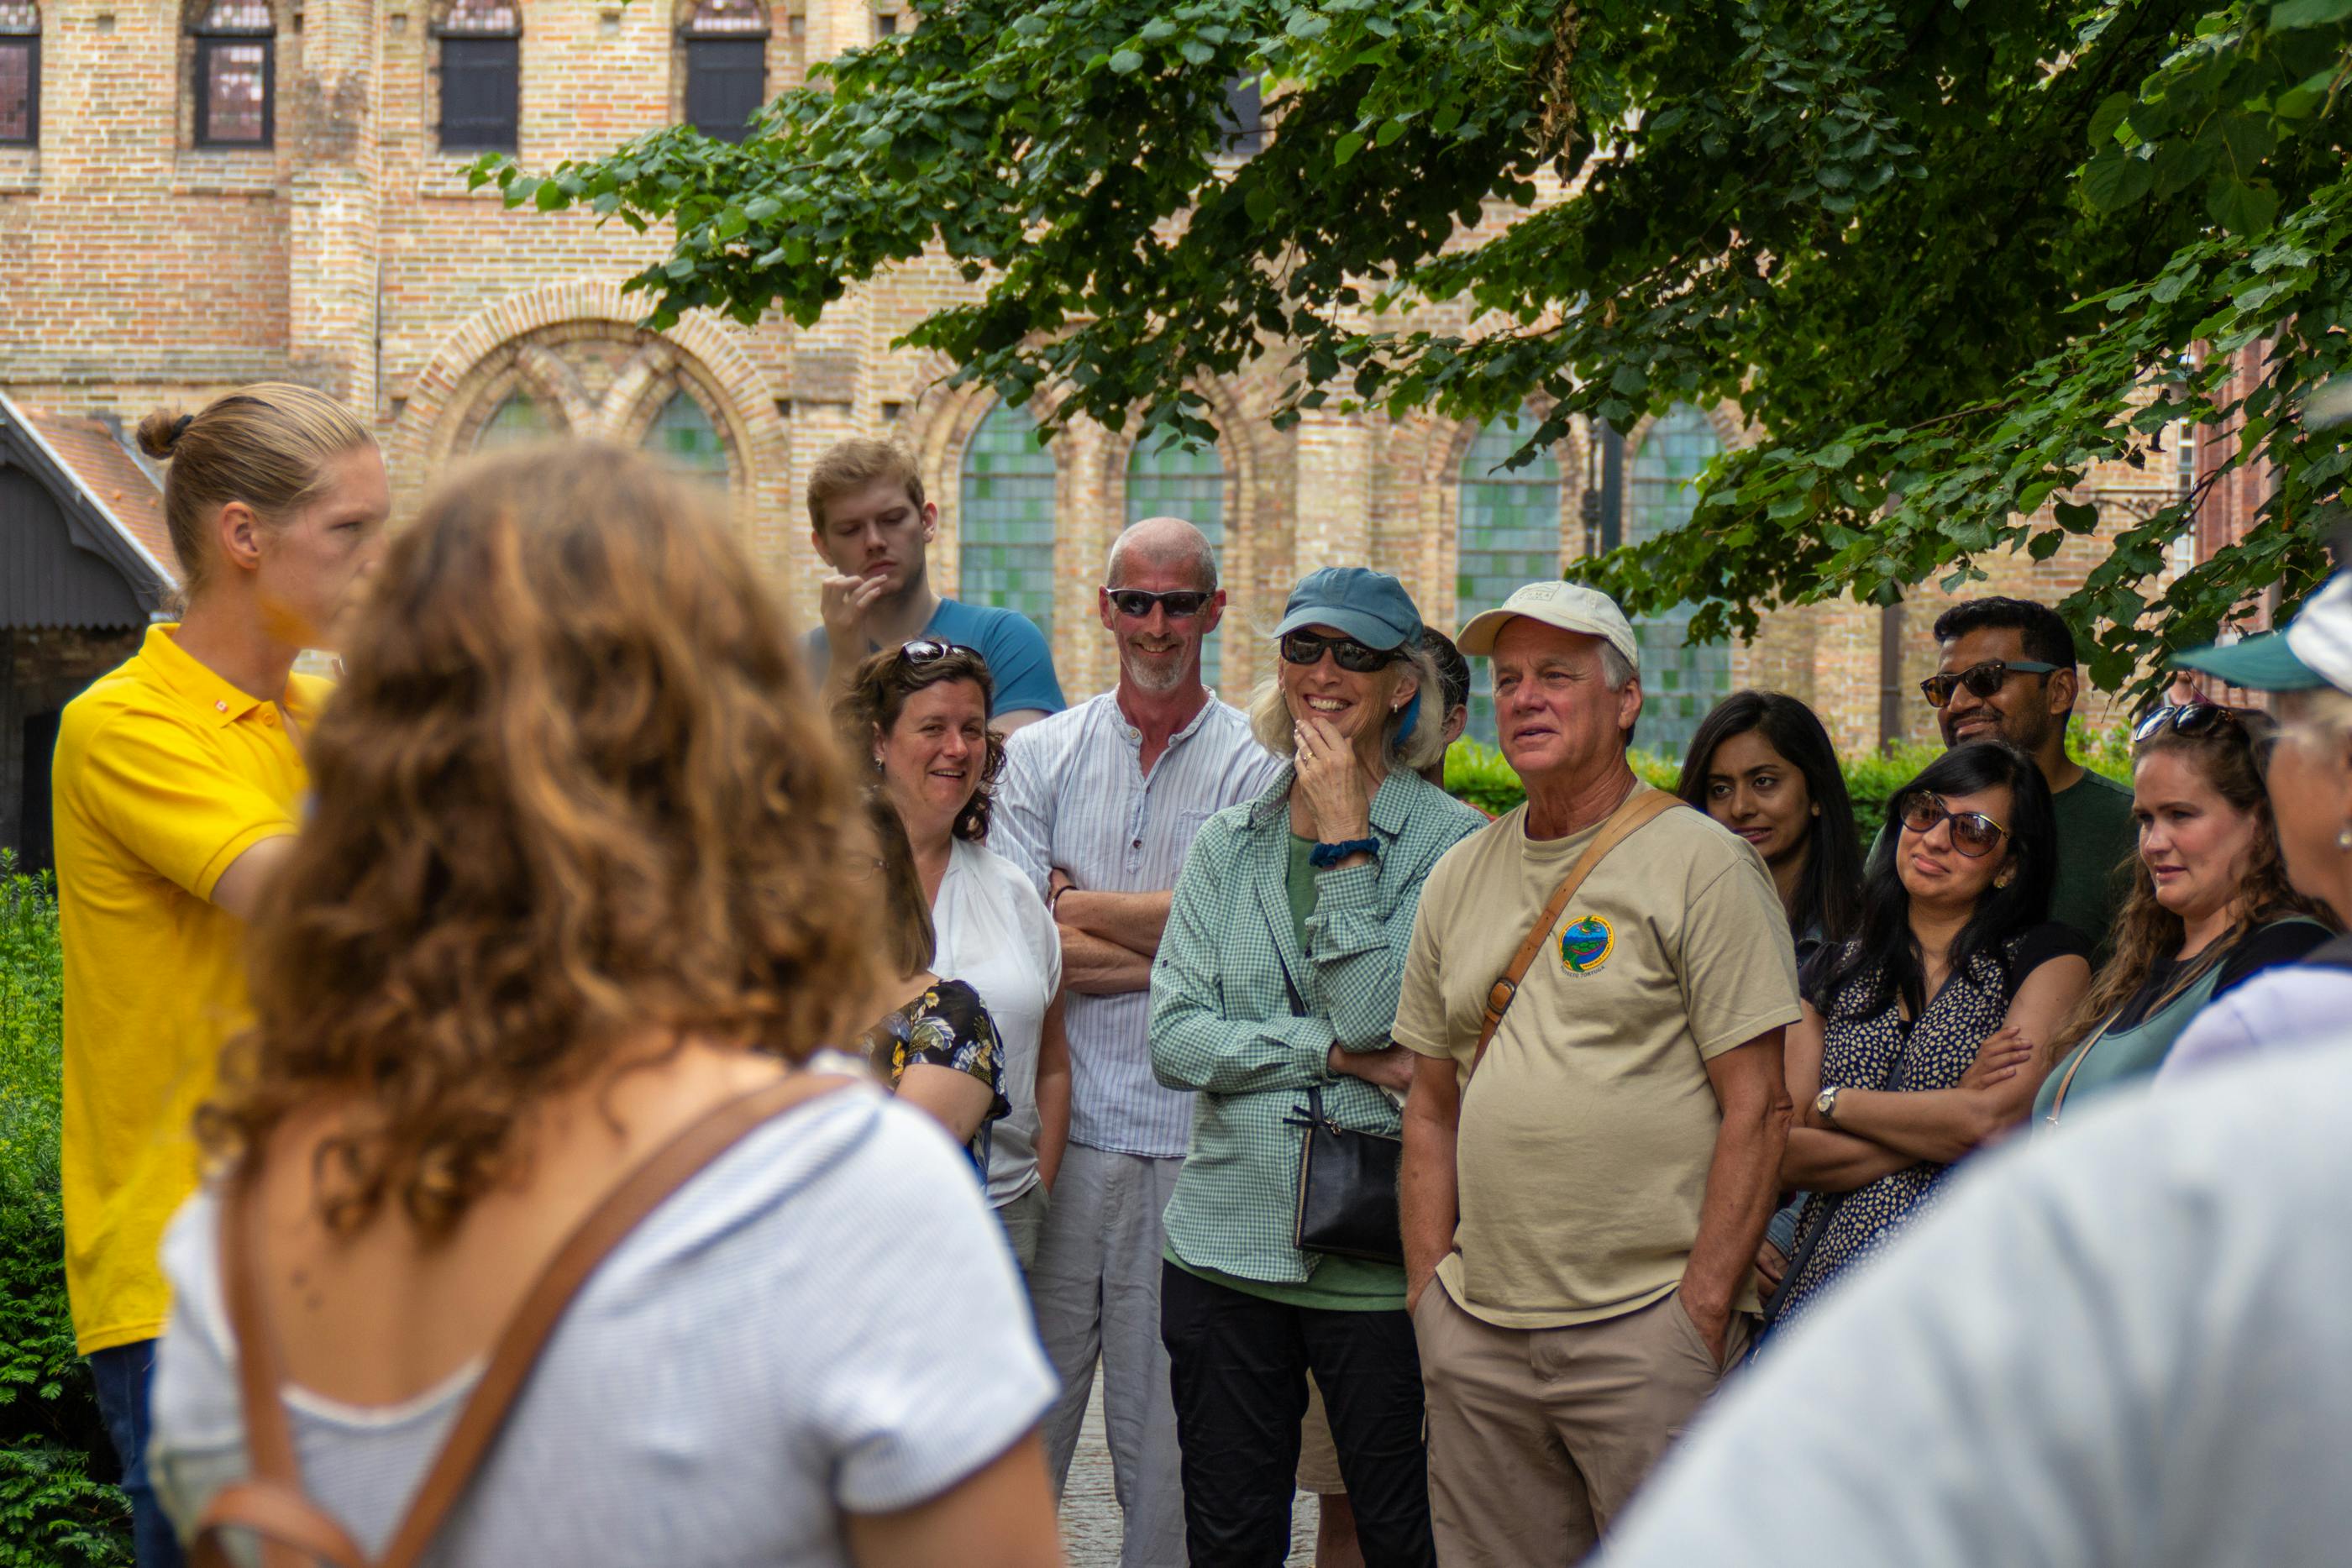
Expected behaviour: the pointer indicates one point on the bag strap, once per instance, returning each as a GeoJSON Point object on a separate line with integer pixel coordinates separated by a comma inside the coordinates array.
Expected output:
{"type": "Point", "coordinates": [273, 1506]}
{"type": "Point", "coordinates": [1642, 808]}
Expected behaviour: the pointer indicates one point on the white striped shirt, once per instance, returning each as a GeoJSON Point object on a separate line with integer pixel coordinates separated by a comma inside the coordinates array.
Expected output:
{"type": "Point", "coordinates": [1074, 795]}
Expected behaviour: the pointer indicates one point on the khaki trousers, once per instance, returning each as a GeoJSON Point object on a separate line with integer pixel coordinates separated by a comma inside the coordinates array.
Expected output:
{"type": "Point", "coordinates": [1537, 1438]}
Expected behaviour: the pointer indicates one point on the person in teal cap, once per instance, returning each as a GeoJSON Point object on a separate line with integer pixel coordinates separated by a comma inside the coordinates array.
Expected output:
{"type": "Point", "coordinates": [2307, 668]}
{"type": "Point", "coordinates": [1272, 999]}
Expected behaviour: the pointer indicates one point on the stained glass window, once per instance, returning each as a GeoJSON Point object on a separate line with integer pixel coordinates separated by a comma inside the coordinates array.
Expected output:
{"type": "Point", "coordinates": [684, 434]}
{"type": "Point", "coordinates": [20, 73]}
{"type": "Point", "coordinates": [1179, 483]}
{"type": "Point", "coordinates": [1678, 683]}
{"type": "Point", "coordinates": [517, 421]}
{"type": "Point", "coordinates": [1006, 517]}
{"type": "Point", "coordinates": [1509, 537]}
{"type": "Point", "coordinates": [235, 75]}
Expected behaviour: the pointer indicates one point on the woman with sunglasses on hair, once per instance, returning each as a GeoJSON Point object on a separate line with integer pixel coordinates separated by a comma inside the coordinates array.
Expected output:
{"type": "Point", "coordinates": [918, 715]}
{"type": "Point", "coordinates": [1273, 997]}
{"type": "Point", "coordinates": [1918, 1039]}
{"type": "Point", "coordinates": [2210, 907]}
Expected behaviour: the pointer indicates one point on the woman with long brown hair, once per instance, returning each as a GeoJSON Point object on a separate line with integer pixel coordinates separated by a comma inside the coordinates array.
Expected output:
{"type": "Point", "coordinates": [569, 905]}
{"type": "Point", "coordinates": [2210, 907]}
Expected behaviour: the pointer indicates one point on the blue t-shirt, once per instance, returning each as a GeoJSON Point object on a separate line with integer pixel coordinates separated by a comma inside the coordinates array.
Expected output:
{"type": "Point", "coordinates": [1018, 660]}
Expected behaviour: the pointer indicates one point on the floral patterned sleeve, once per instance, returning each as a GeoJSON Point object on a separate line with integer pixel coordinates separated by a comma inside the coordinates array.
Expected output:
{"type": "Point", "coordinates": [947, 1025]}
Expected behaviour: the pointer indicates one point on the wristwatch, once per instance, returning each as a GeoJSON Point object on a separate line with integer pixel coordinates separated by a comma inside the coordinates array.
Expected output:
{"type": "Point", "coordinates": [1825, 1104]}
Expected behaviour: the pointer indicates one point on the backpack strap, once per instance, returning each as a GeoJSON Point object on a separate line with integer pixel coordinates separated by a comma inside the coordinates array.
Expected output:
{"type": "Point", "coordinates": [272, 1506]}
{"type": "Point", "coordinates": [2335, 953]}
{"type": "Point", "coordinates": [1631, 815]}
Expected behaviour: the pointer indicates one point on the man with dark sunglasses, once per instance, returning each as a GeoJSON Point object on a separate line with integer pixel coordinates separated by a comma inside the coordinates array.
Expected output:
{"type": "Point", "coordinates": [1099, 805]}
{"type": "Point", "coordinates": [2008, 673]}
{"type": "Point", "coordinates": [872, 527]}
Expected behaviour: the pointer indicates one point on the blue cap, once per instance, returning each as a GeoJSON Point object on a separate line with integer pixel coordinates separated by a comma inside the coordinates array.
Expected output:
{"type": "Point", "coordinates": [1369, 606]}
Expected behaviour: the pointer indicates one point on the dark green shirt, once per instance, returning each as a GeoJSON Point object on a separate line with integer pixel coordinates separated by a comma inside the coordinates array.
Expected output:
{"type": "Point", "coordinates": [2096, 839]}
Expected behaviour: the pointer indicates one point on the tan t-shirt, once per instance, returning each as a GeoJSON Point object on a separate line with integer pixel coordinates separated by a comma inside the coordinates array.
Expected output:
{"type": "Point", "coordinates": [1585, 1141]}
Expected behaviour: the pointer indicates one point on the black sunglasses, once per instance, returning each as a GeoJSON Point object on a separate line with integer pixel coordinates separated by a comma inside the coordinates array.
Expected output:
{"type": "Point", "coordinates": [1982, 680]}
{"type": "Point", "coordinates": [1135, 603]}
{"type": "Point", "coordinates": [1308, 647]}
{"type": "Point", "coordinates": [2189, 718]}
{"type": "Point", "coordinates": [1974, 834]}
{"type": "Point", "coordinates": [924, 651]}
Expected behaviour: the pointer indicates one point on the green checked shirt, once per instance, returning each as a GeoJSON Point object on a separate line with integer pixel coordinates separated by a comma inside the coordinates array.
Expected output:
{"type": "Point", "coordinates": [1246, 1018]}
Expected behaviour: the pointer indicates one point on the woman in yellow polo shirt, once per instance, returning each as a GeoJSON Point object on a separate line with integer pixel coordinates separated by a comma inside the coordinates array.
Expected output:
{"type": "Point", "coordinates": [178, 784]}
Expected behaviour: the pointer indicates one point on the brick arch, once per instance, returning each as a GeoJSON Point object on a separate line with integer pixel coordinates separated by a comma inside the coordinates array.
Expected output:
{"type": "Point", "coordinates": [442, 396]}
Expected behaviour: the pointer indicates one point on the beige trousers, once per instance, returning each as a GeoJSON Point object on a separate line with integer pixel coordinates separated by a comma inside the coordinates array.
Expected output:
{"type": "Point", "coordinates": [1537, 1438]}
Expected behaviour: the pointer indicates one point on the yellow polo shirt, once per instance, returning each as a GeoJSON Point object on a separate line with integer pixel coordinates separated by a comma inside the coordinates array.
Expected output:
{"type": "Point", "coordinates": [165, 773]}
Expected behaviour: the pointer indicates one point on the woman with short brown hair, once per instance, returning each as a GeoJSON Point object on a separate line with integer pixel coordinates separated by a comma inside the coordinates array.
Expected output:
{"type": "Point", "coordinates": [570, 891]}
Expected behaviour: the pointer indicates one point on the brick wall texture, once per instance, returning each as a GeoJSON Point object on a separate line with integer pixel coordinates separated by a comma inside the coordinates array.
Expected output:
{"type": "Point", "coordinates": [137, 269]}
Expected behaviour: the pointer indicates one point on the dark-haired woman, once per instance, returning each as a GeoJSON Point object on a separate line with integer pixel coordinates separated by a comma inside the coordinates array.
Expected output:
{"type": "Point", "coordinates": [1763, 765]}
{"type": "Point", "coordinates": [920, 716]}
{"type": "Point", "coordinates": [2210, 905]}
{"type": "Point", "coordinates": [937, 1047]}
{"type": "Point", "coordinates": [1919, 1042]}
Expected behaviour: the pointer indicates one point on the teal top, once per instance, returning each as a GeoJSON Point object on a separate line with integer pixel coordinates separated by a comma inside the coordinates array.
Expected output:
{"type": "Point", "coordinates": [1247, 1001]}
{"type": "Point", "coordinates": [2133, 1042]}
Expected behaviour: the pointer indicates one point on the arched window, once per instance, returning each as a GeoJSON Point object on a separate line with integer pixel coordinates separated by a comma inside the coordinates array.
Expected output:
{"type": "Point", "coordinates": [236, 74]}
{"type": "Point", "coordinates": [1005, 519]}
{"type": "Point", "coordinates": [20, 73]}
{"type": "Point", "coordinates": [1509, 536]}
{"type": "Point", "coordinates": [726, 44]}
{"type": "Point", "coordinates": [517, 422]}
{"type": "Point", "coordinates": [687, 436]}
{"type": "Point", "coordinates": [1178, 482]}
{"type": "Point", "coordinates": [1678, 683]}
{"type": "Point", "coordinates": [481, 76]}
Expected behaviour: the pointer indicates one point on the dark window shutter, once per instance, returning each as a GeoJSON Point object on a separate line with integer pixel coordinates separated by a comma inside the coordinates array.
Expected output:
{"type": "Point", "coordinates": [481, 91]}
{"type": "Point", "coordinates": [20, 92]}
{"type": "Point", "coordinates": [726, 83]}
{"type": "Point", "coordinates": [1242, 121]}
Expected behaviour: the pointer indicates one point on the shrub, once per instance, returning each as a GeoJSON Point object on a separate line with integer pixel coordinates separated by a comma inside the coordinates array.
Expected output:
{"type": "Point", "coordinates": [57, 1508]}
{"type": "Point", "coordinates": [1479, 775]}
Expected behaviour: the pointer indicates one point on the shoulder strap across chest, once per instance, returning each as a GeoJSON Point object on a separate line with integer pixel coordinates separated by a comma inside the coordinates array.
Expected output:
{"type": "Point", "coordinates": [270, 1507]}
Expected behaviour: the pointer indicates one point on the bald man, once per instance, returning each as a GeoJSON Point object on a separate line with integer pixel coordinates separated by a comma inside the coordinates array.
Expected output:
{"type": "Point", "coordinates": [1098, 805]}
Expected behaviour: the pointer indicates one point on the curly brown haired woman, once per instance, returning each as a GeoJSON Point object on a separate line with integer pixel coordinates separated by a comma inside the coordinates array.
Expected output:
{"type": "Point", "coordinates": [569, 890]}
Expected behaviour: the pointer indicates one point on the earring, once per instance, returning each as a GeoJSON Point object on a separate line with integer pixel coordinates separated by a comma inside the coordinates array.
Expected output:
{"type": "Point", "coordinates": [2002, 881]}
{"type": "Point", "coordinates": [877, 764]}
{"type": "Point", "coordinates": [2344, 838]}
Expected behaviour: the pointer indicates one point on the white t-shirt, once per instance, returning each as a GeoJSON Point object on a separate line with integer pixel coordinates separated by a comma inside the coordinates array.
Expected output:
{"type": "Point", "coordinates": [2126, 1345]}
{"type": "Point", "coordinates": [825, 1320]}
{"type": "Point", "coordinates": [995, 937]}
{"type": "Point", "coordinates": [2292, 1005]}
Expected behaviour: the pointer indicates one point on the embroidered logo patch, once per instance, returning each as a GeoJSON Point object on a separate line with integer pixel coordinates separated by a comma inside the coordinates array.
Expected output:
{"type": "Point", "coordinates": [1586, 945]}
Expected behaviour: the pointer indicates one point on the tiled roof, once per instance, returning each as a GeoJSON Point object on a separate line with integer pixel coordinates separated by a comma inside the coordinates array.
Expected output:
{"type": "Point", "coordinates": [113, 479]}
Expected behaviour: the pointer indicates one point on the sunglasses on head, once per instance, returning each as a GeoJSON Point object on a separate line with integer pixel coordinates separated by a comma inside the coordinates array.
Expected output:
{"type": "Point", "coordinates": [1974, 834]}
{"type": "Point", "coordinates": [1135, 603]}
{"type": "Point", "coordinates": [924, 651]}
{"type": "Point", "coordinates": [2189, 718]}
{"type": "Point", "coordinates": [1982, 679]}
{"type": "Point", "coordinates": [1308, 647]}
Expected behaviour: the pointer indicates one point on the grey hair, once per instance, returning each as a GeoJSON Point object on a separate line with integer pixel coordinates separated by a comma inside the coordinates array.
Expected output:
{"type": "Point", "coordinates": [1203, 556]}
{"type": "Point", "coordinates": [1270, 718]}
{"type": "Point", "coordinates": [2322, 714]}
{"type": "Point", "coordinates": [1616, 669]}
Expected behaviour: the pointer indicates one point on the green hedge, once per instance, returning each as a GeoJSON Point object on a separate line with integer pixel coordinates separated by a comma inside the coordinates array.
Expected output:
{"type": "Point", "coordinates": [1478, 774]}
{"type": "Point", "coordinates": [56, 1508]}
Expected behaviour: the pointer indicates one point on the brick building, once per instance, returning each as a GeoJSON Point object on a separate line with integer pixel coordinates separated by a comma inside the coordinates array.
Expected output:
{"type": "Point", "coordinates": [196, 193]}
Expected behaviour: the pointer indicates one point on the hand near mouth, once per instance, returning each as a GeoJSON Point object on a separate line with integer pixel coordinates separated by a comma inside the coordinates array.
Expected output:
{"type": "Point", "coordinates": [1331, 783]}
{"type": "Point", "coordinates": [843, 602]}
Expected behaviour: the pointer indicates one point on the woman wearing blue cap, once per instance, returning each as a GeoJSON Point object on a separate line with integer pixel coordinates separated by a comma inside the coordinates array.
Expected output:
{"type": "Point", "coordinates": [2308, 670]}
{"type": "Point", "coordinates": [1273, 997]}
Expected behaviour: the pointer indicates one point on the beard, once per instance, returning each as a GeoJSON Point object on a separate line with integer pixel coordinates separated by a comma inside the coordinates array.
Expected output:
{"type": "Point", "coordinates": [1156, 673]}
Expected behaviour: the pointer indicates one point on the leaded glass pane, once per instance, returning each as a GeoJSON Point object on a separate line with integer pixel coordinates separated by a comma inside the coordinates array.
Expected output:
{"type": "Point", "coordinates": [237, 93]}
{"type": "Point", "coordinates": [492, 17]}
{"type": "Point", "coordinates": [18, 89]}
{"type": "Point", "coordinates": [1679, 684]}
{"type": "Point", "coordinates": [1178, 482]}
{"type": "Point", "coordinates": [686, 435]}
{"type": "Point", "coordinates": [238, 16]}
{"type": "Point", "coordinates": [19, 17]}
{"type": "Point", "coordinates": [1005, 519]}
{"type": "Point", "coordinates": [727, 16]}
{"type": "Point", "coordinates": [1509, 537]}
{"type": "Point", "coordinates": [517, 422]}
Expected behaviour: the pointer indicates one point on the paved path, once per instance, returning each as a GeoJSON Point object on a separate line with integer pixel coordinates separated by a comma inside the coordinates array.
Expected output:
{"type": "Point", "coordinates": [1090, 1514]}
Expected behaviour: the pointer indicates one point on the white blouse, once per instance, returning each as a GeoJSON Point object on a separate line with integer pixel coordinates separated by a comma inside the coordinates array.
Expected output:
{"type": "Point", "coordinates": [995, 935]}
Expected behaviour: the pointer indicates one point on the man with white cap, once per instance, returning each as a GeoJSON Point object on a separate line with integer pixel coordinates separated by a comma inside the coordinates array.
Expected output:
{"type": "Point", "coordinates": [1579, 1229]}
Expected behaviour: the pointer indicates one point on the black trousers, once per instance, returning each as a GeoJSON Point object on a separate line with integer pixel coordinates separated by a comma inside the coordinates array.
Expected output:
{"type": "Point", "coordinates": [1238, 1367]}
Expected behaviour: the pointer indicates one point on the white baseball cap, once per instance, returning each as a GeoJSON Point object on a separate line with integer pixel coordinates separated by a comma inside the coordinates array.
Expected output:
{"type": "Point", "coordinates": [1570, 606]}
